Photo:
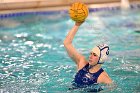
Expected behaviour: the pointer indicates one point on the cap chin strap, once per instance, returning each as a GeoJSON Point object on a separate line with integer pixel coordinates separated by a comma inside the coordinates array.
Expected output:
{"type": "Point", "coordinates": [90, 66]}
{"type": "Point", "coordinates": [107, 53]}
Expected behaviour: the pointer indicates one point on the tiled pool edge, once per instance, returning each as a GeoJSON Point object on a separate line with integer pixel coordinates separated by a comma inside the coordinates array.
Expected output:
{"type": "Point", "coordinates": [7, 15]}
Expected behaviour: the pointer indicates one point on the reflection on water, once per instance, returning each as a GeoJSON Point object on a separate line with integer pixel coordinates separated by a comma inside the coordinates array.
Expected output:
{"type": "Point", "coordinates": [6, 36]}
{"type": "Point", "coordinates": [9, 23]}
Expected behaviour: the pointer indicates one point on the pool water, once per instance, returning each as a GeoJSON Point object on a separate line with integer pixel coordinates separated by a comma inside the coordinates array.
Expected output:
{"type": "Point", "coordinates": [33, 58]}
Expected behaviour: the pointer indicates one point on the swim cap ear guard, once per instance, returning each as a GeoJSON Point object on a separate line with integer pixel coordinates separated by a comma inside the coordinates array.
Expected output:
{"type": "Point", "coordinates": [104, 52]}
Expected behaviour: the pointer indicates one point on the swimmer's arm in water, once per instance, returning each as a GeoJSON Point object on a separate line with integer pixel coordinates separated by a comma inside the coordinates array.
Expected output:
{"type": "Point", "coordinates": [105, 79]}
{"type": "Point", "coordinates": [72, 52]}
{"type": "Point", "coordinates": [109, 84]}
{"type": "Point", "coordinates": [109, 87]}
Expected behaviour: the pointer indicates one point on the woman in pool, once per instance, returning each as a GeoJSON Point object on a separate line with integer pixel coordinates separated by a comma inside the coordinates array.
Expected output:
{"type": "Point", "coordinates": [89, 71]}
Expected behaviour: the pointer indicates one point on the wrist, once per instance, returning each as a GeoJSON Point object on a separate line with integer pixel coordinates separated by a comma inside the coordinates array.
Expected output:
{"type": "Point", "coordinates": [78, 23]}
{"type": "Point", "coordinates": [77, 26]}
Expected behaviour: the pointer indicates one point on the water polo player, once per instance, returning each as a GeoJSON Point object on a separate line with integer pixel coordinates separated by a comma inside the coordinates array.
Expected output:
{"type": "Point", "coordinates": [89, 71]}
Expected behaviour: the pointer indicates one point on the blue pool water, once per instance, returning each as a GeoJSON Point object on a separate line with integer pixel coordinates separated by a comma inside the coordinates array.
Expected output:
{"type": "Point", "coordinates": [33, 58]}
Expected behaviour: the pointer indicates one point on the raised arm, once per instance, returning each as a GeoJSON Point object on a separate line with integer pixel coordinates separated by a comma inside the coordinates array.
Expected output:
{"type": "Point", "coordinates": [73, 53]}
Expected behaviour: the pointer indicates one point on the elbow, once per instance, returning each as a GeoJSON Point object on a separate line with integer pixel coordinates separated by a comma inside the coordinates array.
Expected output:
{"type": "Point", "coordinates": [65, 42]}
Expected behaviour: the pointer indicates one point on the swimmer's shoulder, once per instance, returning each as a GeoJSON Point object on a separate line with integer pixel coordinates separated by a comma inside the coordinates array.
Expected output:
{"type": "Point", "coordinates": [82, 63]}
{"type": "Point", "coordinates": [104, 78]}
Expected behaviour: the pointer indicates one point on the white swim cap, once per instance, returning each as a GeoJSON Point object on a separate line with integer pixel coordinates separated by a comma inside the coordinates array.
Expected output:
{"type": "Point", "coordinates": [102, 51]}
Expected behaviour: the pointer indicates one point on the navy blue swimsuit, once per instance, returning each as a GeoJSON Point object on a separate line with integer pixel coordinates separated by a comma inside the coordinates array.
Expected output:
{"type": "Point", "coordinates": [84, 78]}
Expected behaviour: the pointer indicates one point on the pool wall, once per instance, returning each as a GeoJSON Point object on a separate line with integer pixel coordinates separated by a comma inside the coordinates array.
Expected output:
{"type": "Point", "coordinates": [12, 6]}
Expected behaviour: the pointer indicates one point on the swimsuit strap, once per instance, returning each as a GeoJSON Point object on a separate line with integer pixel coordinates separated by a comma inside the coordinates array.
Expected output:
{"type": "Point", "coordinates": [97, 74]}
{"type": "Point", "coordinates": [86, 67]}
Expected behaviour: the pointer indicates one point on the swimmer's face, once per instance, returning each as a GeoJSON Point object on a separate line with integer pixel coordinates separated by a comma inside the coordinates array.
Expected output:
{"type": "Point", "coordinates": [93, 58]}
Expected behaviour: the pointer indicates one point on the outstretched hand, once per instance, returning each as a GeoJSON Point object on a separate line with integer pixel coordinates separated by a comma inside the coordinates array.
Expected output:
{"type": "Point", "coordinates": [78, 23]}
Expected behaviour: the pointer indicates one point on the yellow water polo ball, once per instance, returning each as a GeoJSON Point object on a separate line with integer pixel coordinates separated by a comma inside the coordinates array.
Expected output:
{"type": "Point", "coordinates": [78, 12]}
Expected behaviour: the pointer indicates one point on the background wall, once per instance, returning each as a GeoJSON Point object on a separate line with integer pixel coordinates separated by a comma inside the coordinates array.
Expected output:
{"type": "Point", "coordinates": [36, 4]}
